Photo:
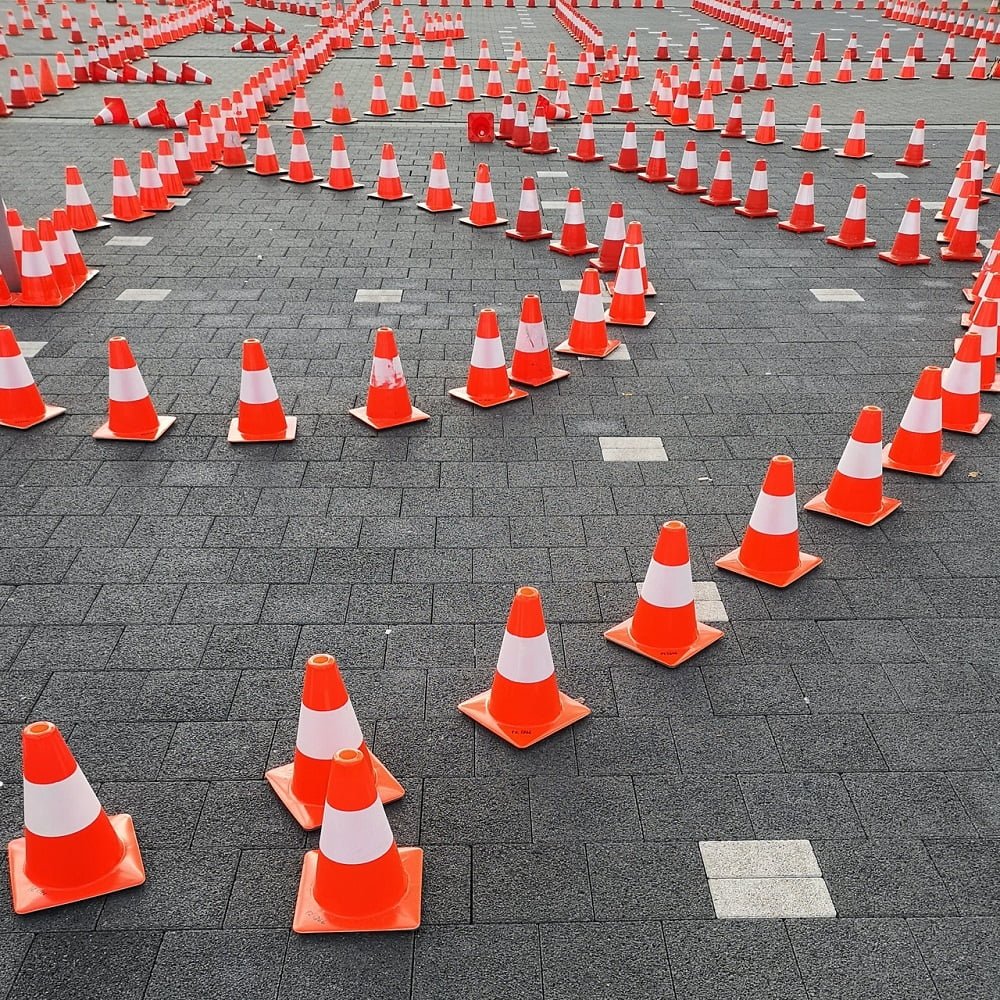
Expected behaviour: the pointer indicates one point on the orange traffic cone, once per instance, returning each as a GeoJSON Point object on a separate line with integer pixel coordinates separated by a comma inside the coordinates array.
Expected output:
{"type": "Point", "coordinates": [300, 170]}
{"type": "Point", "coordinates": [586, 148]}
{"type": "Point", "coordinates": [301, 115]}
{"type": "Point", "coordinates": [855, 491]}
{"type": "Point", "coordinates": [720, 194]}
{"type": "Point", "coordinates": [655, 171]}
{"type": "Point", "coordinates": [913, 155]}
{"type": "Point", "coordinates": [628, 302]}
{"type": "Point", "coordinates": [125, 206]}
{"type": "Point", "coordinates": [853, 234]}
{"type": "Point", "coordinates": [613, 243]}
{"type": "Point", "coordinates": [539, 141]}
{"type": "Point", "coordinates": [628, 157]}
{"type": "Point", "coordinates": [438, 198]}
{"type": "Point", "coordinates": [388, 402]}
{"type": "Point", "coordinates": [960, 389]}
{"type": "Point", "coordinates": [436, 96]}
{"type": "Point", "coordinates": [664, 626]}
{"type": "Point", "coordinates": [166, 166]}
{"type": "Point", "coordinates": [265, 161]}
{"type": "Point", "coordinates": [340, 177]}
{"type": "Point", "coordinates": [918, 444]}
{"type": "Point", "coordinates": [40, 286]}
{"type": "Point", "coordinates": [766, 134]}
{"type": "Point", "coordinates": [573, 240]}
{"type": "Point", "coordinates": [983, 320]}
{"type": "Point", "coordinates": [358, 879]}
{"type": "Point", "coordinates": [71, 849]}
{"type": "Point", "coordinates": [379, 106]}
{"type": "Point", "coordinates": [524, 704]}
{"type": "Point", "coordinates": [812, 135]}
{"type": "Point", "coordinates": [389, 187]}
{"type": "Point", "coordinates": [734, 123]}
{"type": "Point", "coordinates": [114, 112]}
{"type": "Point", "coordinates": [687, 175]}
{"type": "Point", "coordinates": [408, 95]}
{"type": "Point", "coordinates": [483, 212]}
{"type": "Point", "coordinates": [79, 207]}
{"type": "Point", "coordinates": [802, 219]}
{"type": "Point", "coordinates": [906, 247]}
{"type": "Point", "coordinates": [233, 154]}
{"type": "Point", "coordinates": [588, 332]}
{"type": "Point", "coordinates": [757, 204]}
{"type": "Point", "coordinates": [261, 415]}
{"type": "Point", "coordinates": [529, 216]}
{"type": "Point", "coordinates": [856, 147]}
{"type": "Point", "coordinates": [21, 404]}
{"type": "Point", "coordinates": [327, 723]}
{"type": "Point", "coordinates": [770, 550]}
{"type": "Point", "coordinates": [152, 197]}
{"type": "Point", "coordinates": [487, 384]}
{"type": "Point", "coordinates": [340, 113]}
{"type": "Point", "coordinates": [131, 414]}
{"type": "Point", "coordinates": [532, 363]}
{"type": "Point", "coordinates": [963, 242]}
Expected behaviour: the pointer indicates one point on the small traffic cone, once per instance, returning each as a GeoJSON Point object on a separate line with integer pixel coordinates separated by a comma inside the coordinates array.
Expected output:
{"type": "Point", "coordinates": [628, 157]}
{"type": "Point", "coordinates": [487, 384]}
{"type": "Point", "coordinates": [234, 156]}
{"type": "Point", "coordinates": [131, 413]}
{"type": "Point", "coordinates": [436, 96]}
{"type": "Point", "coordinates": [71, 849]}
{"type": "Point", "coordinates": [466, 92]}
{"type": "Point", "coordinates": [906, 247]}
{"type": "Point", "coordinates": [687, 176]}
{"type": "Point", "coordinates": [918, 444]}
{"type": "Point", "coordinates": [265, 161]}
{"type": "Point", "coordinates": [770, 551]}
{"type": "Point", "coordinates": [483, 212]}
{"type": "Point", "coordinates": [664, 626]}
{"type": "Point", "coordinates": [573, 240]}
{"type": "Point", "coordinates": [327, 723]}
{"type": "Point", "coordinates": [705, 119]}
{"type": "Point", "coordinates": [379, 106]}
{"type": "Point", "coordinates": [655, 171]}
{"type": "Point", "coordinates": [588, 332]}
{"type": "Point", "coordinates": [79, 207]}
{"type": "Point", "coordinates": [529, 216]}
{"type": "Point", "coordinates": [438, 197]}
{"type": "Point", "coordinates": [855, 491]}
{"type": "Point", "coordinates": [734, 123]}
{"type": "Point", "coordinates": [757, 204]}
{"type": "Point", "coordinates": [856, 147]}
{"type": "Point", "coordinates": [524, 704]}
{"type": "Point", "coordinates": [766, 134]}
{"type": "Point", "coordinates": [853, 231]}
{"type": "Point", "coordinates": [802, 219]}
{"type": "Point", "coordinates": [960, 389]}
{"type": "Point", "coordinates": [963, 244]}
{"type": "Point", "coordinates": [586, 151]}
{"type": "Point", "coordinates": [340, 177]}
{"type": "Point", "coordinates": [628, 302]}
{"type": "Point", "coordinates": [261, 415]}
{"type": "Point", "coordinates": [812, 136]}
{"type": "Point", "coordinates": [389, 187]}
{"type": "Point", "coordinates": [613, 243]}
{"type": "Point", "coordinates": [408, 95]}
{"type": "Point", "coordinates": [21, 404]}
{"type": "Point", "coordinates": [340, 113]}
{"type": "Point", "coordinates": [125, 205]}
{"type": "Point", "coordinates": [388, 402]}
{"type": "Point", "coordinates": [720, 194]}
{"type": "Point", "coordinates": [358, 879]}
{"type": "Point", "coordinates": [913, 156]}
{"type": "Point", "coordinates": [532, 363]}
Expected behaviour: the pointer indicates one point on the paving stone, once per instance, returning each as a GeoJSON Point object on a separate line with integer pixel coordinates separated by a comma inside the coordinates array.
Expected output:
{"type": "Point", "coordinates": [809, 805]}
{"type": "Point", "coordinates": [961, 954]}
{"type": "Point", "coordinates": [690, 806]}
{"type": "Point", "coordinates": [591, 809]}
{"type": "Point", "coordinates": [909, 805]}
{"type": "Point", "coordinates": [472, 810]}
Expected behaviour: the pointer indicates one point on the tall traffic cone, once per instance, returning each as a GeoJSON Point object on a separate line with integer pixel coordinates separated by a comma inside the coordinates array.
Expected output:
{"type": "Point", "coordinates": [770, 549]}
{"type": "Point", "coordinates": [720, 194]}
{"type": "Point", "coordinates": [812, 136]}
{"type": "Point", "coordinates": [71, 849]}
{"type": "Point", "coordinates": [918, 444]}
{"type": "Point", "coordinates": [856, 146]}
{"type": "Point", "coordinates": [483, 212]}
{"type": "Point", "coordinates": [628, 302]}
{"type": "Point", "coordinates": [529, 225]}
{"type": "Point", "coordinates": [664, 626]}
{"type": "Point", "coordinates": [487, 384]}
{"type": "Point", "coordinates": [628, 157]}
{"type": "Point", "coordinates": [79, 207]}
{"type": "Point", "coordinates": [327, 723]}
{"type": "Point", "coordinates": [960, 389]}
{"type": "Point", "coordinates": [913, 155]}
{"type": "Point", "coordinates": [855, 491]}
{"type": "Point", "coordinates": [573, 241]}
{"type": "Point", "coordinates": [131, 414]}
{"type": "Point", "coordinates": [261, 415]}
{"type": "Point", "coordinates": [906, 247]}
{"type": "Point", "coordinates": [853, 231]}
{"type": "Point", "coordinates": [524, 704]}
{"type": "Point", "coordinates": [388, 402]}
{"type": "Point", "coordinates": [655, 171]}
{"type": "Point", "coordinates": [438, 197]}
{"type": "Point", "coordinates": [21, 404]}
{"type": "Point", "coordinates": [389, 187]}
{"type": "Point", "coordinates": [610, 254]}
{"type": "Point", "coordinates": [358, 879]}
{"type": "Point", "coordinates": [532, 363]}
{"type": "Point", "coordinates": [586, 149]}
{"type": "Point", "coordinates": [265, 161]}
{"type": "Point", "coordinates": [125, 206]}
{"type": "Point", "coordinates": [588, 332]}
{"type": "Point", "coordinates": [687, 175]}
{"type": "Point", "coordinates": [757, 204]}
{"type": "Point", "coordinates": [802, 219]}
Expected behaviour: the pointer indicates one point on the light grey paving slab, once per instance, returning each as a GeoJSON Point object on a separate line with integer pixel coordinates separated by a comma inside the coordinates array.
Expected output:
{"type": "Point", "coordinates": [129, 241]}
{"type": "Point", "coordinates": [382, 295]}
{"type": "Point", "coordinates": [29, 348]}
{"type": "Point", "coordinates": [180, 201]}
{"type": "Point", "coordinates": [728, 859]}
{"type": "Point", "coordinates": [890, 176]}
{"type": "Point", "coordinates": [836, 295]}
{"type": "Point", "coordinates": [632, 449]}
{"type": "Point", "coordinates": [551, 173]}
{"type": "Point", "coordinates": [144, 295]}
{"type": "Point", "coordinates": [770, 898]}
{"type": "Point", "coordinates": [554, 206]}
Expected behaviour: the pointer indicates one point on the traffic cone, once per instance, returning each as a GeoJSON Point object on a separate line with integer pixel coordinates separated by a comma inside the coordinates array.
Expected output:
{"type": "Point", "coordinates": [21, 404]}
{"type": "Point", "coordinates": [586, 151]}
{"type": "Point", "coordinates": [633, 235]}
{"type": "Point", "coordinates": [573, 240]}
{"type": "Point", "coordinates": [520, 134]}
{"type": "Point", "coordinates": [388, 402]}
{"type": "Point", "coordinates": [812, 136]}
{"type": "Point", "coordinates": [845, 72]}
{"type": "Point", "coordinates": [687, 176]}
{"type": "Point", "coordinates": [131, 414]}
{"type": "Point", "coordinates": [524, 704]}
{"type": "Point", "coordinates": [529, 216]}
{"type": "Point", "coordinates": [628, 303]}
{"type": "Point", "coordinates": [770, 549]}
{"type": "Point", "coordinates": [483, 212]}
{"type": "Point", "coordinates": [79, 207]}
{"type": "Point", "coordinates": [233, 154]}
{"type": "Point", "coordinates": [856, 147]}
{"type": "Point", "coordinates": [166, 167]}
{"type": "Point", "coordinates": [532, 363]}
{"type": "Point", "coordinates": [679, 109]}
{"type": "Point", "coordinates": [301, 115]}
{"type": "Point", "coordinates": [70, 249]}
{"type": "Point", "coordinates": [408, 95]}
{"type": "Point", "coordinates": [261, 415]}
{"type": "Point", "coordinates": [436, 97]}
{"type": "Point", "coordinates": [876, 73]}
{"type": "Point", "coordinates": [963, 244]}
{"type": "Point", "coordinates": [71, 849]}
{"type": "Point", "coordinates": [201, 156]}
{"type": "Point", "coordinates": [389, 187]}
{"type": "Point", "coordinates": [628, 157]}
{"type": "Point", "coordinates": [539, 142]}
{"type": "Point", "coordinates": [125, 205]}
{"type": "Point", "coordinates": [908, 71]}
{"type": "Point", "coordinates": [327, 723]}
{"type": "Point", "coordinates": [494, 83]}
{"type": "Point", "coordinates": [340, 113]}
{"type": "Point", "coordinates": [438, 197]}
{"type": "Point", "coordinates": [738, 81]}
{"type": "Point", "coordinates": [505, 123]}
{"type": "Point", "coordinates": [65, 280]}
{"type": "Point", "coordinates": [734, 123]}
{"type": "Point", "coordinates": [983, 320]}
{"type": "Point", "coordinates": [918, 444]}
{"type": "Point", "coordinates": [595, 100]}
{"type": "Point", "coordinates": [853, 234]}
{"type": "Point", "coordinates": [152, 197]}
{"type": "Point", "coordinates": [588, 333]}
{"type": "Point", "coordinates": [40, 287]}
{"type": "Point", "coordinates": [340, 177]}
{"type": "Point", "coordinates": [766, 134]}
{"type": "Point", "coordinates": [855, 491]}
{"type": "Point", "coordinates": [613, 243]}
{"type": "Point", "coordinates": [757, 203]}
{"type": "Point", "coordinates": [655, 171]}
{"type": "Point", "coordinates": [466, 92]}
{"type": "Point", "coordinates": [802, 219]}
{"type": "Point", "coordinates": [664, 626]}
{"type": "Point", "coordinates": [358, 879]}
{"type": "Point", "coordinates": [705, 119]}
{"type": "Point", "coordinates": [960, 389]}
{"type": "Point", "coordinates": [913, 156]}
{"type": "Point", "coordinates": [906, 247]}
{"type": "Point", "coordinates": [487, 384]}
{"type": "Point", "coordinates": [379, 106]}
{"type": "Point", "coordinates": [720, 194]}
{"type": "Point", "coordinates": [265, 161]}
{"type": "Point", "coordinates": [814, 75]}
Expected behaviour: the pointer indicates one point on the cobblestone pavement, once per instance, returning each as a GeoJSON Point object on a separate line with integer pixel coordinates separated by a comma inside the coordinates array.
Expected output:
{"type": "Point", "coordinates": [157, 601]}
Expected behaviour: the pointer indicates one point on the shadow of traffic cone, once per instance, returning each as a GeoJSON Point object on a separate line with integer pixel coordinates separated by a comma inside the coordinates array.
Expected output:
{"type": "Point", "coordinates": [757, 204]}
{"type": "Point", "coordinates": [918, 444]}
{"type": "Point", "coordinates": [628, 156]}
{"type": "Point", "coordinates": [327, 723]}
{"type": "Point", "coordinates": [573, 240]}
{"type": "Point", "coordinates": [388, 402]}
{"type": "Point", "coordinates": [906, 247]}
{"type": "Point", "coordinates": [856, 147]}
{"type": "Point", "coordinates": [532, 363]}
{"type": "Point", "coordinates": [529, 225]}
{"type": "Point", "coordinates": [588, 331]}
{"type": "Point", "coordinates": [71, 849]}
{"type": "Point", "coordinates": [125, 206]}
{"type": "Point", "coordinates": [524, 704]}
{"type": "Point", "coordinates": [628, 299]}
{"type": "Point", "coordinates": [913, 155]}
{"type": "Point", "coordinates": [960, 411]}
{"type": "Point", "coordinates": [720, 193]}
{"type": "Point", "coordinates": [438, 198]}
{"type": "Point", "coordinates": [79, 207]}
{"type": "Point", "coordinates": [855, 491]}
{"type": "Point", "coordinates": [487, 383]}
{"type": "Point", "coordinates": [483, 212]}
{"type": "Point", "coordinates": [388, 187]}
{"type": "Point", "coordinates": [664, 626]}
{"type": "Point", "coordinates": [770, 549]}
{"type": "Point", "coordinates": [586, 148]}
{"type": "Point", "coordinates": [853, 231]}
{"type": "Point", "coordinates": [21, 404]}
{"type": "Point", "coordinates": [261, 415]}
{"type": "Point", "coordinates": [131, 414]}
{"type": "Point", "coordinates": [265, 161]}
{"type": "Point", "coordinates": [802, 219]}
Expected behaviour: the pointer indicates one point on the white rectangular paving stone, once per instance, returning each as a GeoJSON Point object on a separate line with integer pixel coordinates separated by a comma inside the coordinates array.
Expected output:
{"type": "Point", "coordinates": [894, 176]}
{"type": "Point", "coordinates": [573, 285]}
{"type": "Point", "coordinates": [632, 449]}
{"type": "Point", "coordinates": [770, 898]}
{"type": "Point", "coordinates": [620, 353]}
{"type": "Point", "coordinates": [729, 859]}
{"type": "Point", "coordinates": [29, 348]}
{"type": "Point", "coordinates": [551, 173]}
{"type": "Point", "coordinates": [836, 295]}
{"type": "Point", "coordinates": [378, 295]}
{"type": "Point", "coordinates": [554, 206]}
{"type": "Point", "coordinates": [129, 241]}
{"type": "Point", "coordinates": [180, 201]}
{"type": "Point", "coordinates": [143, 295]}
{"type": "Point", "coordinates": [932, 206]}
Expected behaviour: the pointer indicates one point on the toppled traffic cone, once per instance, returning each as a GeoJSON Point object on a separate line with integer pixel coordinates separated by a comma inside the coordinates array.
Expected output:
{"type": "Point", "coordinates": [720, 193]}
{"type": "Point", "coordinates": [960, 389]}
{"type": "Point", "coordinates": [524, 704]}
{"type": "Point", "coordinates": [388, 403]}
{"type": "Point", "coordinates": [79, 207]}
{"type": "Point", "coordinates": [483, 212]}
{"type": "Point", "coordinates": [114, 112]}
{"type": "Point", "coordinates": [803, 217]}
{"type": "Point", "coordinates": [438, 198]}
{"type": "Point", "coordinates": [664, 626]}
{"type": "Point", "coordinates": [918, 444]}
{"type": "Point", "coordinates": [573, 240]}
{"type": "Point", "coordinates": [261, 415]}
{"type": "Point", "coordinates": [757, 204]}
{"type": "Point", "coordinates": [532, 363]}
{"type": "Point", "coordinates": [588, 332]}
{"type": "Point", "coordinates": [853, 231]}
{"type": "Point", "coordinates": [21, 404]}
{"type": "Point", "coordinates": [856, 147]}
{"type": "Point", "coordinates": [855, 491]}
{"type": "Point", "coordinates": [487, 384]}
{"type": "Point", "coordinates": [628, 299]}
{"type": "Point", "coordinates": [158, 116]}
{"type": "Point", "coordinates": [131, 414]}
{"type": "Point", "coordinates": [906, 247]}
{"type": "Point", "coordinates": [770, 549]}
{"type": "Point", "coordinates": [613, 243]}
{"type": "Point", "coordinates": [265, 161]}
{"type": "Point", "coordinates": [71, 849]}
{"type": "Point", "coordinates": [389, 187]}
{"type": "Point", "coordinates": [529, 225]}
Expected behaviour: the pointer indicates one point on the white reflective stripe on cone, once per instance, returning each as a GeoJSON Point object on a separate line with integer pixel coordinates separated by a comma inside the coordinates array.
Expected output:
{"type": "Point", "coordinates": [988, 338]}
{"type": "Point", "coordinates": [257, 387]}
{"type": "Point", "coordinates": [125, 385]}
{"type": "Point", "coordinates": [321, 734]}
{"type": "Point", "coordinates": [961, 378]}
{"type": "Point", "coordinates": [589, 309]}
{"type": "Point", "coordinates": [76, 195]}
{"type": "Point", "coordinates": [910, 226]}
{"type": "Point", "coordinates": [668, 586]}
{"type": "Point", "coordinates": [758, 180]}
{"type": "Point", "coordinates": [531, 338]}
{"type": "Point", "coordinates": [774, 515]}
{"type": "Point", "coordinates": [806, 195]}
{"type": "Point", "coordinates": [387, 373]}
{"type": "Point", "coordinates": [861, 460]}
{"type": "Point", "coordinates": [574, 214]}
{"type": "Point", "coordinates": [35, 264]}
{"type": "Point", "coordinates": [61, 807]}
{"type": "Point", "coordinates": [439, 179]}
{"type": "Point", "coordinates": [856, 209]}
{"type": "Point", "coordinates": [922, 416]}
{"type": "Point", "coordinates": [629, 282]}
{"type": "Point", "coordinates": [388, 170]}
{"type": "Point", "coordinates": [525, 661]}
{"type": "Point", "coordinates": [482, 193]}
{"type": "Point", "coordinates": [14, 373]}
{"type": "Point", "coordinates": [356, 837]}
{"type": "Point", "coordinates": [487, 352]}
{"type": "Point", "coordinates": [529, 202]}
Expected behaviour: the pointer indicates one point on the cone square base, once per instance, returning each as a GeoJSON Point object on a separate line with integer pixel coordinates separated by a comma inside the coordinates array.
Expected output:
{"type": "Point", "coordinates": [557, 374]}
{"type": "Point", "coordinates": [771, 213]}
{"type": "Point", "coordinates": [757, 142]}
{"type": "Point", "coordinates": [541, 152]}
{"type": "Point", "coordinates": [415, 417]}
{"type": "Point", "coordinates": [466, 221]}
{"type": "Point", "coordinates": [372, 114]}
{"type": "Point", "coordinates": [890, 257]}
{"type": "Point", "coordinates": [699, 189]}
{"type": "Point", "coordinates": [913, 163]}
{"type": "Point", "coordinates": [349, 121]}
{"type": "Point", "coordinates": [542, 234]}
{"type": "Point", "coordinates": [819, 505]}
{"type": "Point", "coordinates": [557, 247]}
{"type": "Point", "coordinates": [245, 165]}
{"type": "Point", "coordinates": [51, 412]}
{"type": "Point", "coordinates": [522, 737]}
{"type": "Point", "coordinates": [270, 173]}
{"type": "Point", "coordinates": [776, 578]}
{"type": "Point", "coordinates": [291, 180]}
{"type": "Point", "coordinates": [865, 244]}
{"type": "Point", "coordinates": [624, 170]}
{"type": "Point", "coordinates": [848, 156]}
{"type": "Point", "coordinates": [350, 187]}
{"type": "Point", "coordinates": [714, 128]}
{"type": "Point", "coordinates": [235, 437]}
{"type": "Point", "coordinates": [564, 348]}
{"type": "Point", "coordinates": [938, 469]}
{"type": "Point", "coordinates": [104, 432]}
{"type": "Point", "coordinates": [970, 258]}
{"type": "Point", "coordinates": [720, 202]}
{"type": "Point", "coordinates": [377, 197]}
{"type": "Point", "coordinates": [647, 318]}
{"type": "Point", "coordinates": [116, 218]}
{"type": "Point", "coordinates": [598, 265]}
{"type": "Point", "coordinates": [99, 224]}
{"type": "Point", "coordinates": [977, 428]}
{"type": "Point", "coordinates": [596, 158]}
{"type": "Point", "coordinates": [311, 918]}
{"type": "Point", "coordinates": [621, 635]}
{"type": "Point", "coordinates": [811, 149]}
{"type": "Point", "coordinates": [439, 211]}
{"type": "Point", "coordinates": [789, 227]}
{"type": "Point", "coordinates": [408, 111]}
{"type": "Point", "coordinates": [667, 178]}
{"type": "Point", "coordinates": [461, 393]}
{"type": "Point", "coordinates": [30, 898]}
